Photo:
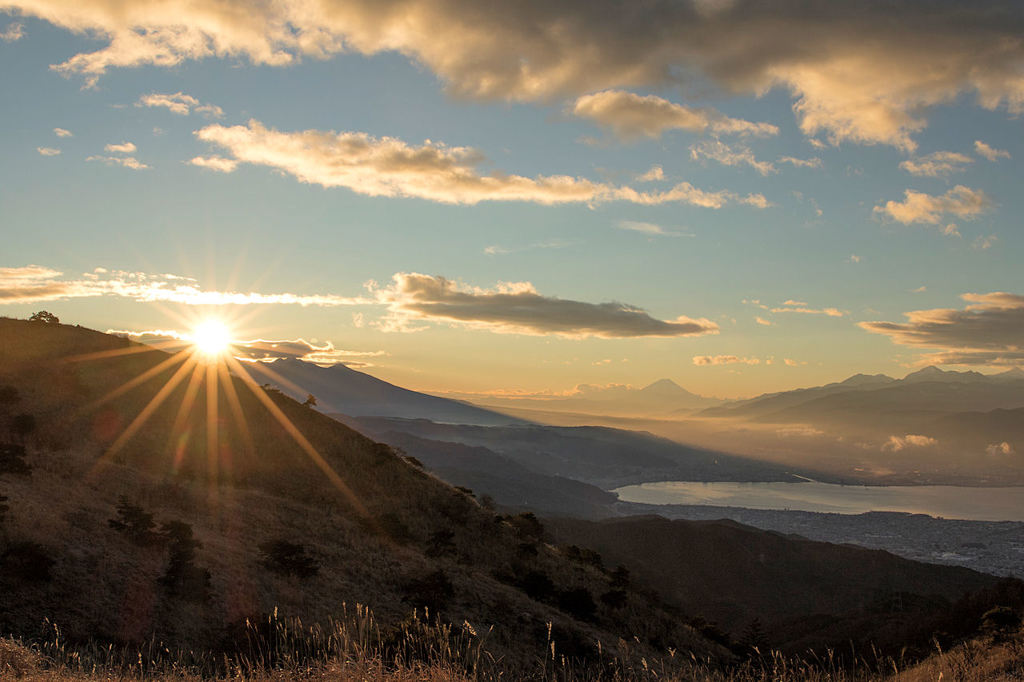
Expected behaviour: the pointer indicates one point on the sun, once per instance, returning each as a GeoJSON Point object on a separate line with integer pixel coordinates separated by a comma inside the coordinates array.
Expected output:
{"type": "Point", "coordinates": [211, 338]}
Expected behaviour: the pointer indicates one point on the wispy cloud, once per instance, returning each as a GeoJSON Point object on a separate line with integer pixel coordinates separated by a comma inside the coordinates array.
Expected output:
{"type": "Point", "coordinates": [48, 151]}
{"type": "Point", "coordinates": [813, 162]}
{"type": "Point", "coordinates": [124, 161]}
{"type": "Point", "coordinates": [936, 164]}
{"type": "Point", "coordinates": [630, 116]}
{"type": "Point", "coordinates": [736, 155]}
{"type": "Point", "coordinates": [918, 207]}
{"type": "Point", "coordinates": [650, 229]}
{"type": "Point", "coordinates": [498, 250]}
{"type": "Point", "coordinates": [62, 132]}
{"type": "Point", "coordinates": [179, 103]}
{"type": "Point", "coordinates": [389, 167]}
{"type": "Point", "coordinates": [988, 331]}
{"type": "Point", "coordinates": [804, 308]}
{"type": "Point", "coordinates": [911, 440]}
{"type": "Point", "coordinates": [13, 32]}
{"type": "Point", "coordinates": [518, 308]}
{"type": "Point", "coordinates": [35, 283]}
{"type": "Point", "coordinates": [990, 153]}
{"type": "Point", "coordinates": [703, 360]}
{"type": "Point", "coordinates": [262, 350]}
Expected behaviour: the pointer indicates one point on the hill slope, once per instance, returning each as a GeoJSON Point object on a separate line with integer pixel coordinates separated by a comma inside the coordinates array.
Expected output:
{"type": "Point", "coordinates": [381, 531]}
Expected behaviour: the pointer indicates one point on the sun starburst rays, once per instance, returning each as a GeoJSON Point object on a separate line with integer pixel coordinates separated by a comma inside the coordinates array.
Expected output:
{"type": "Point", "coordinates": [207, 363]}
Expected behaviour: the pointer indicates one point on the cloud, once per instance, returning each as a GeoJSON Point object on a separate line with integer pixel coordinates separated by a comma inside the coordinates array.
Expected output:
{"type": "Point", "coordinates": [854, 258]}
{"type": "Point", "coordinates": [649, 229]}
{"type": "Point", "coordinates": [983, 243]}
{"type": "Point", "coordinates": [62, 132]}
{"type": "Point", "coordinates": [990, 153]}
{"type": "Point", "coordinates": [1002, 448]}
{"type": "Point", "coordinates": [35, 283]}
{"type": "Point", "coordinates": [630, 116]}
{"type": "Point", "coordinates": [263, 350]}
{"type": "Point", "coordinates": [48, 151]}
{"type": "Point", "coordinates": [13, 33]}
{"type": "Point", "coordinates": [655, 173]}
{"type": "Point", "coordinates": [897, 443]}
{"type": "Point", "coordinates": [936, 164]}
{"type": "Point", "coordinates": [860, 72]}
{"type": "Point", "coordinates": [702, 360]}
{"type": "Point", "coordinates": [498, 250]}
{"type": "Point", "coordinates": [918, 207]}
{"type": "Point", "coordinates": [260, 350]}
{"type": "Point", "coordinates": [517, 308]}
{"type": "Point", "coordinates": [125, 161]}
{"type": "Point", "coordinates": [813, 162]}
{"type": "Point", "coordinates": [716, 150]}
{"type": "Point", "coordinates": [179, 103]}
{"type": "Point", "coordinates": [217, 163]}
{"type": "Point", "coordinates": [389, 167]}
{"type": "Point", "coordinates": [123, 148]}
{"type": "Point", "coordinates": [802, 307]}
{"type": "Point", "coordinates": [988, 331]}
{"type": "Point", "coordinates": [760, 320]}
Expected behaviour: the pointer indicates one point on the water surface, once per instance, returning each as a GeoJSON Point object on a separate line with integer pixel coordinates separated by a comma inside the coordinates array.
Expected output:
{"type": "Point", "coordinates": [951, 502]}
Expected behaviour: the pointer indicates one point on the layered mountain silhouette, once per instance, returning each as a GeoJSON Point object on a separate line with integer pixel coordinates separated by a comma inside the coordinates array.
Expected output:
{"type": "Point", "coordinates": [879, 401]}
{"type": "Point", "coordinates": [661, 398]}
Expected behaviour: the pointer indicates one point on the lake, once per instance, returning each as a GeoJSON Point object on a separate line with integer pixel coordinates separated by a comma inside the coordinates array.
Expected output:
{"type": "Point", "coordinates": [951, 502]}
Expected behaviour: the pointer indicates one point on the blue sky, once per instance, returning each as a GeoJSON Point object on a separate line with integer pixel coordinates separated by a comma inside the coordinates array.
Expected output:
{"type": "Point", "coordinates": [349, 171]}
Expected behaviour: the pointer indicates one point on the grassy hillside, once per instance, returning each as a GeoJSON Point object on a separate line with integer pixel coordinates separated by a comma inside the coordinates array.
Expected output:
{"type": "Point", "coordinates": [805, 594]}
{"type": "Point", "coordinates": [382, 533]}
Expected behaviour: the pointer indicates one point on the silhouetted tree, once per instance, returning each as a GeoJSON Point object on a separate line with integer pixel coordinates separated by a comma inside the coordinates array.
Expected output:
{"type": "Point", "coordinates": [136, 524]}
{"type": "Point", "coordinates": [12, 459]}
{"type": "Point", "coordinates": [577, 602]}
{"type": "Point", "coordinates": [22, 425]}
{"type": "Point", "coordinates": [537, 586]}
{"type": "Point", "coordinates": [310, 401]}
{"type": "Point", "coordinates": [1000, 622]}
{"type": "Point", "coordinates": [614, 599]}
{"type": "Point", "coordinates": [26, 561]}
{"type": "Point", "coordinates": [440, 543]}
{"type": "Point", "coordinates": [45, 317]}
{"type": "Point", "coordinates": [432, 591]}
{"type": "Point", "coordinates": [527, 525]}
{"type": "Point", "coordinates": [620, 577]}
{"type": "Point", "coordinates": [288, 558]}
{"type": "Point", "coordinates": [754, 641]}
{"type": "Point", "coordinates": [183, 579]}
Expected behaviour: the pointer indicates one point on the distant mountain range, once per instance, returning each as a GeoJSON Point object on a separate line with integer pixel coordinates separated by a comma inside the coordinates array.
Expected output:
{"type": "Point", "coordinates": [920, 396]}
{"type": "Point", "coordinates": [661, 398]}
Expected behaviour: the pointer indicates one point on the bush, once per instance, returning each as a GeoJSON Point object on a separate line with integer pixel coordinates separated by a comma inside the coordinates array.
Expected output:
{"type": "Point", "coordinates": [537, 586]}
{"type": "Point", "coordinates": [136, 524]}
{"type": "Point", "coordinates": [12, 459]}
{"type": "Point", "coordinates": [577, 602]}
{"type": "Point", "coordinates": [614, 599]}
{"type": "Point", "coordinates": [26, 561]}
{"type": "Point", "coordinates": [183, 579]}
{"type": "Point", "coordinates": [3, 508]}
{"type": "Point", "coordinates": [432, 591]}
{"type": "Point", "coordinates": [440, 543]}
{"type": "Point", "coordinates": [288, 558]}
